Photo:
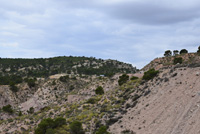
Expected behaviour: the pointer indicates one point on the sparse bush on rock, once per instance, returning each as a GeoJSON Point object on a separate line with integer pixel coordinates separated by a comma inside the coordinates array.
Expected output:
{"type": "Point", "coordinates": [178, 60]}
{"type": "Point", "coordinates": [30, 82]}
{"type": "Point", "coordinates": [71, 87]}
{"type": "Point", "coordinates": [99, 90]}
{"type": "Point", "coordinates": [127, 132]}
{"type": "Point", "coordinates": [91, 101]}
{"type": "Point", "coordinates": [102, 130]}
{"type": "Point", "coordinates": [64, 78]}
{"type": "Point", "coordinates": [123, 79]}
{"type": "Point", "coordinates": [59, 122]}
{"type": "Point", "coordinates": [31, 110]}
{"type": "Point", "coordinates": [47, 126]}
{"type": "Point", "coordinates": [50, 131]}
{"type": "Point", "coordinates": [8, 109]}
{"type": "Point", "coordinates": [151, 73]}
{"type": "Point", "coordinates": [134, 78]}
{"type": "Point", "coordinates": [13, 87]}
{"type": "Point", "coordinates": [76, 128]}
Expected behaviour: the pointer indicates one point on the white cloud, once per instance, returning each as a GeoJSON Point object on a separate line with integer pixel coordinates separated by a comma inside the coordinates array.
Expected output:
{"type": "Point", "coordinates": [128, 30]}
{"type": "Point", "coordinates": [12, 45]}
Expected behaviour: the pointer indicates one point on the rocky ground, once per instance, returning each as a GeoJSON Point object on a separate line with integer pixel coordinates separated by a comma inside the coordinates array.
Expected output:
{"type": "Point", "coordinates": [167, 104]}
{"type": "Point", "coordinates": [172, 106]}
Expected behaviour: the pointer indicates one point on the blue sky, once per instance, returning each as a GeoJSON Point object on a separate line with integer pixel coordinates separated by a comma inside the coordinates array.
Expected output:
{"type": "Point", "coordinates": [132, 31]}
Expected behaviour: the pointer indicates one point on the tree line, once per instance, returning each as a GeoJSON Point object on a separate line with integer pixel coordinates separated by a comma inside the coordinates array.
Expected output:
{"type": "Point", "coordinates": [169, 53]}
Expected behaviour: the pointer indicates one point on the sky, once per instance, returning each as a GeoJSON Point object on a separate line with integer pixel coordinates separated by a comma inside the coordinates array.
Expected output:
{"type": "Point", "coordinates": [132, 31]}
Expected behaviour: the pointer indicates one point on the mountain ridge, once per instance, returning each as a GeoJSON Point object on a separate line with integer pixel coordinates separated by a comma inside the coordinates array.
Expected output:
{"type": "Point", "coordinates": [167, 102]}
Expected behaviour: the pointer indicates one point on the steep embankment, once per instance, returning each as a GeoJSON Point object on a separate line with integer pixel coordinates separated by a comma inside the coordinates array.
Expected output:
{"type": "Point", "coordinates": [167, 104]}
{"type": "Point", "coordinates": [167, 62]}
{"type": "Point", "coordinates": [171, 107]}
{"type": "Point", "coordinates": [53, 98]}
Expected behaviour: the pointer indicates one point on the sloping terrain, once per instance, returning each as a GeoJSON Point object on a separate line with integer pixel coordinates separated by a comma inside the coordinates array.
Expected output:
{"type": "Point", "coordinates": [167, 103]}
{"type": "Point", "coordinates": [166, 62]}
{"type": "Point", "coordinates": [34, 93]}
{"type": "Point", "coordinates": [53, 98]}
{"type": "Point", "coordinates": [171, 107]}
{"type": "Point", "coordinates": [44, 67]}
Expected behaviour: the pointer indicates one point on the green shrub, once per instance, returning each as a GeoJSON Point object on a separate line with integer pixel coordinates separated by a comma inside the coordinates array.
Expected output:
{"type": "Point", "coordinates": [198, 51]}
{"type": "Point", "coordinates": [178, 60]}
{"type": "Point", "coordinates": [8, 109]}
{"type": "Point", "coordinates": [7, 79]}
{"type": "Point", "coordinates": [71, 87]}
{"type": "Point", "coordinates": [127, 132]}
{"type": "Point", "coordinates": [183, 51]}
{"type": "Point", "coordinates": [68, 71]}
{"type": "Point", "coordinates": [76, 128]}
{"type": "Point", "coordinates": [20, 113]}
{"type": "Point", "coordinates": [54, 83]}
{"type": "Point", "coordinates": [59, 122]}
{"type": "Point", "coordinates": [44, 125]}
{"type": "Point", "coordinates": [91, 100]}
{"type": "Point", "coordinates": [13, 87]}
{"type": "Point", "coordinates": [31, 82]}
{"type": "Point", "coordinates": [134, 78]}
{"type": "Point", "coordinates": [150, 74]}
{"type": "Point", "coordinates": [47, 126]}
{"type": "Point", "coordinates": [123, 79]}
{"type": "Point", "coordinates": [99, 90]}
{"type": "Point", "coordinates": [102, 130]}
{"type": "Point", "coordinates": [168, 53]}
{"type": "Point", "coordinates": [175, 52]}
{"type": "Point", "coordinates": [109, 74]}
{"type": "Point", "coordinates": [64, 78]}
{"type": "Point", "coordinates": [31, 110]}
{"type": "Point", "coordinates": [50, 131]}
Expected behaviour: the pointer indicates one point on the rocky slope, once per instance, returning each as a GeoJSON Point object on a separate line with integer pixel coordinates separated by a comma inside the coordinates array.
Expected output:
{"type": "Point", "coordinates": [64, 94]}
{"type": "Point", "coordinates": [172, 103]}
{"type": "Point", "coordinates": [171, 107]}
{"type": "Point", "coordinates": [168, 103]}
{"type": "Point", "coordinates": [166, 62]}
{"type": "Point", "coordinates": [50, 98]}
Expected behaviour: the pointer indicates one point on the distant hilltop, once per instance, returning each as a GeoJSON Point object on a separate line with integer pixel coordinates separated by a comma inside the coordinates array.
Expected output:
{"type": "Point", "coordinates": [44, 67]}
{"type": "Point", "coordinates": [182, 58]}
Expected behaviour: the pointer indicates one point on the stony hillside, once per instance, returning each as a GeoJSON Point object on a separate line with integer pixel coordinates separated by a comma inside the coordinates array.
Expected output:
{"type": "Point", "coordinates": [164, 101]}
{"type": "Point", "coordinates": [170, 107]}
{"type": "Point", "coordinates": [166, 62]}
{"type": "Point", "coordinates": [50, 98]}
{"type": "Point", "coordinates": [44, 67]}
{"type": "Point", "coordinates": [30, 91]}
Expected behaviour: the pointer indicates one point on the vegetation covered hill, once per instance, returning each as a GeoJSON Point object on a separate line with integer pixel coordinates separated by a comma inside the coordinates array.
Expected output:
{"type": "Point", "coordinates": [35, 89]}
{"type": "Point", "coordinates": [161, 100]}
{"type": "Point", "coordinates": [179, 59]}
{"type": "Point", "coordinates": [44, 67]}
{"type": "Point", "coordinates": [14, 70]}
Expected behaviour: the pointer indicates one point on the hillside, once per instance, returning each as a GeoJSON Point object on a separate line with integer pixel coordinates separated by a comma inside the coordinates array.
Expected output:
{"type": "Point", "coordinates": [33, 86]}
{"type": "Point", "coordinates": [171, 107]}
{"type": "Point", "coordinates": [164, 101]}
{"type": "Point", "coordinates": [44, 67]}
{"type": "Point", "coordinates": [188, 59]}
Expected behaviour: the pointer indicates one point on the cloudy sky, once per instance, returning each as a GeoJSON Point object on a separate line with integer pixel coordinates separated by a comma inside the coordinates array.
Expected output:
{"type": "Point", "coordinates": [133, 31]}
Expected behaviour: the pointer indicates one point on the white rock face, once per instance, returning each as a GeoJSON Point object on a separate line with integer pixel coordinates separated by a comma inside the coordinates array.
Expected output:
{"type": "Point", "coordinates": [172, 107]}
{"type": "Point", "coordinates": [197, 73]}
